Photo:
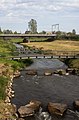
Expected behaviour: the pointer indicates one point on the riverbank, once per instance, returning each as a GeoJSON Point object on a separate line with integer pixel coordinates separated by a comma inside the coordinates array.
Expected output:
{"type": "Point", "coordinates": [72, 64]}
{"type": "Point", "coordinates": [8, 70]}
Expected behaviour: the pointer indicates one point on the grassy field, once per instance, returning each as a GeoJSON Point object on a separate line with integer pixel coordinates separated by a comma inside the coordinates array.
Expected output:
{"type": "Point", "coordinates": [59, 45]}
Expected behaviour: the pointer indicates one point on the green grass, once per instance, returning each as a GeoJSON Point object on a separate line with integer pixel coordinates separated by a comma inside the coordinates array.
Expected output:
{"type": "Point", "coordinates": [16, 40]}
{"type": "Point", "coordinates": [6, 48]}
{"type": "Point", "coordinates": [3, 84]}
{"type": "Point", "coordinates": [72, 63]}
{"type": "Point", "coordinates": [36, 39]}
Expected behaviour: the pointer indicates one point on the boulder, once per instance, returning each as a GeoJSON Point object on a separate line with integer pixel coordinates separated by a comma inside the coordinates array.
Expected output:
{"type": "Point", "coordinates": [29, 109]}
{"type": "Point", "coordinates": [57, 108]}
{"type": "Point", "coordinates": [61, 72]}
{"type": "Point", "coordinates": [48, 73]}
{"type": "Point", "coordinates": [31, 72]}
{"type": "Point", "coordinates": [69, 70]}
{"type": "Point", "coordinates": [76, 104]}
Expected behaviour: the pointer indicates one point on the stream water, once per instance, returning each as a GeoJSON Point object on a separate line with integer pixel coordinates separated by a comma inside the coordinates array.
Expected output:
{"type": "Point", "coordinates": [55, 88]}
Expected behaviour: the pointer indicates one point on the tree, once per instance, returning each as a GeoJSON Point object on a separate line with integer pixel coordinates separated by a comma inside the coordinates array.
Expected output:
{"type": "Point", "coordinates": [0, 31]}
{"type": "Point", "coordinates": [73, 32]}
{"type": "Point", "coordinates": [7, 31]}
{"type": "Point", "coordinates": [43, 32]}
{"type": "Point", "coordinates": [32, 25]}
{"type": "Point", "coordinates": [15, 32]}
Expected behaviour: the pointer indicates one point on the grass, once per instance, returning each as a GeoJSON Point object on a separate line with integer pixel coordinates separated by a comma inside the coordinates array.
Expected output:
{"type": "Point", "coordinates": [6, 48]}
{"type": "Point", "coordinates": [72, 63]}
{"type": "Point", "coordinates": [17, 40]}
{"type": "Point", "coordinates": [3, 84]}
{"type": "Point", "coordinates": [7, 67]}
{"type": "Point", "coordinates": [58, 45]}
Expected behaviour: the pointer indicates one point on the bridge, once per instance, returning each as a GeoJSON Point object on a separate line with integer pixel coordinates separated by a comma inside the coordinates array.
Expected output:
{"type": "Point", "coordinates": [26, 35]}
{"type": "Point", "coordinates": [41, 57]}
{"type": "Point", "coordinates": [53, 55]}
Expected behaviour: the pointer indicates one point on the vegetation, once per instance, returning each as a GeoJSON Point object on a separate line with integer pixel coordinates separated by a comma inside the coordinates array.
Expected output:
{"type": "Point", "coordinates": [16, 40]}
{"type": "Point", "coordinates": [32, 25]}
{"type": "Point", "coordinates": [63, 45]}
{"type": "Point", "coordinates": [3, 84]}
{"type": "Point", "coordinates": [7, 66]}
{"type": "Point", "coordinates": [6, 48]}
{"type": "Point", "coordinates": [72, 63]}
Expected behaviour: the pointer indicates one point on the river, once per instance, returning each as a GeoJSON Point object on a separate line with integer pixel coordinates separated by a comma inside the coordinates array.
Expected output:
{"type": "Point", "coordinates": [55, 88]}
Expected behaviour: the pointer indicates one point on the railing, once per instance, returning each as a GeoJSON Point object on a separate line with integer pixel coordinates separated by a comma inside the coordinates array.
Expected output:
{"type": "Point", "coordinates": [27, 35]}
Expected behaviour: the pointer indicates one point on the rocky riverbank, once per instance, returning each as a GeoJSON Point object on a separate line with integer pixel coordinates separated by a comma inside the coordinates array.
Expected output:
{"type": "Point", "coordinates": [7, 109]}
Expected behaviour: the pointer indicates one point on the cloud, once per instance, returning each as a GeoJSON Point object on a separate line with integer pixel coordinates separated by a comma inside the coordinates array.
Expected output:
{"type": "Point", "coordinates": [20, 10]}
{"type": "Point", "coordinates": [34, 5]}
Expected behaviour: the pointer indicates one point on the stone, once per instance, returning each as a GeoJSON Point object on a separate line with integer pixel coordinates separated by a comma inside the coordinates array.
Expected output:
{"type": "Point", "coordinates": [47, 73]}
{"type": "Point", "coordinates": [31, 72]}
{"type": "Point", "coordinates": [69, 70]}
{"type": "Point", "coordinates": [76, 104]}
{"type": "Point", "coordinates": [20, 119]}
{"type": "Point", "coordinates": [29, 109]}
{"type": "Point", "coordinates": [35, 104]}
{"type": "Point", "coordinates": [7, 100]}
{"type": "Point", "coordinates": [25, 111]}
{"type": "Point", "coordinates": [57, 108]}
{"type": "Point", "coordinates": [61, 72]}
{"type": "Point", "coordinates": [17, 74]}
{"type": "Point", "coordinates": [14, 108]}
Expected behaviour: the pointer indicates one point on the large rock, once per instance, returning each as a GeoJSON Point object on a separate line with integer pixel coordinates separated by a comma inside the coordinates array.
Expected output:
{"type": "Point", "coordinates": [57, 108]}
{"type": "Point", "coordinates": [76, 104]}
{"type": "Point", "coordinates": [29, 109]}
{"type": "Point", "coordinates": [48, 73]}
{"type": "Point", "coordinates": [60, 72]}
{"type": "Point", "coordinates": [31, 72]}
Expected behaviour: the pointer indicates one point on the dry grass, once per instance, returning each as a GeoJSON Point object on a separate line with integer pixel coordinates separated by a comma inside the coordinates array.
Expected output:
{"type": "Point", "coordinates": [59, 45]}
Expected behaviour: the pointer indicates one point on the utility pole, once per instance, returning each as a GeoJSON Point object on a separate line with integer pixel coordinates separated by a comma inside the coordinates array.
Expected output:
{"type": "Point", "coordinates": [55, 27]}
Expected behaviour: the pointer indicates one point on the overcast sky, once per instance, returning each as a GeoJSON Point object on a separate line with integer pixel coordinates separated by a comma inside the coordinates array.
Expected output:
{"type": "Point", "coordinates": [15, 14]}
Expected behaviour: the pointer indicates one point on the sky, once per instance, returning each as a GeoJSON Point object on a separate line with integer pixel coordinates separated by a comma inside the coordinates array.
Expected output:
{"type": "Point", "coordinates": [15, 14]}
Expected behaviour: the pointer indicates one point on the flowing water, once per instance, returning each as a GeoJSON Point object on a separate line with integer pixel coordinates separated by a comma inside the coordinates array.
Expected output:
{"type": "Point", "coordinates": [55, 88]}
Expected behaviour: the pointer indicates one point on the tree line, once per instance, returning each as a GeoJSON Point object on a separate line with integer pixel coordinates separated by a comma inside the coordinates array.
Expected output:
{"type": "Point", "coordinates": [32, 29]}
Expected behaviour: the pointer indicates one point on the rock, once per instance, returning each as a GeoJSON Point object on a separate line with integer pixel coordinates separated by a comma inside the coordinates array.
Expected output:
{"type": "Point", "coordinates": [7, 100]}
{"type": "Point", "coordinates": [29, 109]}
{"type": "Point", "coordinates": [17, 74]}
{"type": "Point", "coordinates": [69, 70]}
{"type": "Point", "coordinates": [35, 104]}
{"type": "Point", "coordinates": [25, 111]}
{"type": "Point", "coordinates": [20, 119]}
{"type": "Point", "coordinates": [14, 108]}
{"type": "Point", "coordinates": [57, 108]}
{"type": "Point", "coordinates": [48, 73]}
{"type": "Point", "coordinates": [61, 72]}
{"type": "Point", "coordinates": [76, 104]}
{"type": "Point", "coordinates": [31, 72]}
